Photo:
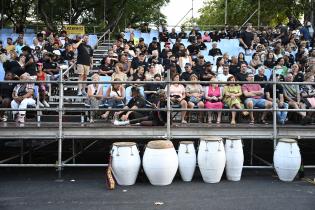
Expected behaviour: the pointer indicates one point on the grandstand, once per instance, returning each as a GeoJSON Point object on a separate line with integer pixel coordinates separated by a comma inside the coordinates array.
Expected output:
{"type": "Point", "coordinates": [68, 116]}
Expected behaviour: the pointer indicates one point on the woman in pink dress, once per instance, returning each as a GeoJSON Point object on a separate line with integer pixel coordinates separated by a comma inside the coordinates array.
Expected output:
{"type": "Point", "coordinates": [213, 96]}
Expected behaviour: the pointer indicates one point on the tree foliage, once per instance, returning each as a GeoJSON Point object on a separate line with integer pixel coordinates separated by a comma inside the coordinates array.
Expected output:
{"type": "Point", "coordinates": [272, 12]}
{"type": "Point", "coordinates": [53, 13]}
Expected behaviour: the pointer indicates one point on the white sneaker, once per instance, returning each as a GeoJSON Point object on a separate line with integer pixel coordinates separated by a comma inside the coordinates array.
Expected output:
{"type": "Point", "coordinates": [21, 118]}
{"type": "Point", "coordinates": [4, 118]}
{"type": "Point", "coordinates": [46, 104]}
{"type": "Point", "coordinates": [120, 123]}
{"type": "Point", "coordinates": [41, 105]}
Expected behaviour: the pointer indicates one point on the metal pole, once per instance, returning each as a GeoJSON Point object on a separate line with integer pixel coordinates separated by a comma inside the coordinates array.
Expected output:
{"type": "Point", "coordinates": [60, 123]}
{"type": "Point", "coordinates": [168, 131]}
{"type": "Point", "coordinates": [258, 21]}
{"type": "Point", "coordinates": [2, 11]}
{"type": "Point", "coordinates": [104, 13]}
{"type": "Point", "coordinates": [225, 12]}
{"type": "Point", "coordinates": [274, 106]}
{"type": "Point", "coordinates": [70, 13]}
{"type": "Point", "coordinates": [192, 9]}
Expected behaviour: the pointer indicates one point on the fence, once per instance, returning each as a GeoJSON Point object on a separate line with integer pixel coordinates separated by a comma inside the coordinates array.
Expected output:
{"type": "Point", "coordinates": [60, 163]}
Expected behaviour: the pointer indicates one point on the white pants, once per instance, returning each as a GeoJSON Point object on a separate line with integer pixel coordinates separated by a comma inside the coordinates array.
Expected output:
{"type": "Point", "coordinates": [22, 105]}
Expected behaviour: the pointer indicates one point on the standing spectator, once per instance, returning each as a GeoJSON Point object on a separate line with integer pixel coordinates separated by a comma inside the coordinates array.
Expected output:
{"type": "Point", "coordinates": [246, 38]}
{"type": "Point", "coordinates": [84, 62]}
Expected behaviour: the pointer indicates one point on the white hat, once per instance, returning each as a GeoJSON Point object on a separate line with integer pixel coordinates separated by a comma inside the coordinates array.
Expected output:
{"type": "Point", "coordinates": [57, 52]}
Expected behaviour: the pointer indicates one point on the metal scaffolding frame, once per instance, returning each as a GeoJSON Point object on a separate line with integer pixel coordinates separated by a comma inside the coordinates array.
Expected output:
{"type": "Point", "coordinates": [171, 132]}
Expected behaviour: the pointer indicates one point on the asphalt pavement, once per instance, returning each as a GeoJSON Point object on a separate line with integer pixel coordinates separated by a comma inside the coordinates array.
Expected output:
{"type": "Point", "coordinates": [84, 188]}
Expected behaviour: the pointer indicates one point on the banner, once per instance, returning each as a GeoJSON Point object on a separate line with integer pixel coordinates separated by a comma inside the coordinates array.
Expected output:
{"type": "Point", "coordinates": [75, 29]}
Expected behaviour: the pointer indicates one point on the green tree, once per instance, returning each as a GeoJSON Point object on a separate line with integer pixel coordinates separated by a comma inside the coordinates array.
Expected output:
{"type": "Point", "coordinates": [54, 13]}
{"type": "Point", "coordinates": [272, 12]}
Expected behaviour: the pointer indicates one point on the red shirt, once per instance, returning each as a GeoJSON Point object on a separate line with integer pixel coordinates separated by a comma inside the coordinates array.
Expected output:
{"type": "Point", "coordinates": [250, 88]}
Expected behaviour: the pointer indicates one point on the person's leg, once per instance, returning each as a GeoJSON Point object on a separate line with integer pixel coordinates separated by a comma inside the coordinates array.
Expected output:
{"type": "Point", "coordinates": [201, 106]}
{"type": "Point", "coordinates": [80, 70]}
{"type": "Point", "coordinates": [183, 105]}
{"type": "Point", "coordinates": [219, 117]}
{"type": "Point", "coordinates": [14, 105]}
{"type": "Point", "coordinates": [209, 117]}
{"type": "Point", "coordinates": [250, 105]}
{"type": "Point", "coordinates": [85, 74]}
{"type": "Point", "coordinates": [5, 104]}
{"type": "Point", "coordinates": [283, 114]}
{"type": "Point", "coordinates": [295, 105]}
{"type": "Point", "coordinates": [264, 104]}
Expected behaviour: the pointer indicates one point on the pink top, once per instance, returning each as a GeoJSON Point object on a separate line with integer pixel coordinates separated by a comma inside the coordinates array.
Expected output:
{"type": "Point", "coordinates": [252, 87]}
{"type": "Point", "coordinates": [206, 38]}
{"type": "Point", "coordinates": [216, 92]}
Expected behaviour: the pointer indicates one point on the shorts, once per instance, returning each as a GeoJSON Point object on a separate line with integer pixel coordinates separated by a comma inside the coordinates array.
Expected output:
{"type": "Point", "coordinates": [259, 103]}
{"type": "Point", "coordinates": [83, 69]}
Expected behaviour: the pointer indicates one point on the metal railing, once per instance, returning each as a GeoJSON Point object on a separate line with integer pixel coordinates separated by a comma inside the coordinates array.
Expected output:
{"type": "Point", "coordinates": [60, 163]}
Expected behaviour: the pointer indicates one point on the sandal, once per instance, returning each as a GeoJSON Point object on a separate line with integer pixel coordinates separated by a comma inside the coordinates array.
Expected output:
{"type": "Point", "coordinates": [264, 122]}
{"type": "Point", "coordinates": [104, 116]}
{"type": "Point", "coordinates": [184, 122]}
{"type": "Point", "coordinates": [233, 123]}
{"type": "Point", "coordinates": [252, 122]}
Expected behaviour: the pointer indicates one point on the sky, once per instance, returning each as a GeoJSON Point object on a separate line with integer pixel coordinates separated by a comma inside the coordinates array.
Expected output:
{"type": "Point", "coordinates": [176, 9]}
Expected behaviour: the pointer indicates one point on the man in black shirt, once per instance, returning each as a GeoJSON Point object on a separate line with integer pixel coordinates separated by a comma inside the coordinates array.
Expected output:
{"type": "Point", "coordinates": [242, 75]}
{"type": "Point", "coordinates": [215, 51]}
{"type": "Point", "coordinates": [246, 38]}
{"type": "Point", "coordinates": [139, 61]}
{"type": "Point", "coordinates": [186, 75]}
{"type": "Point", "coordinates": [193, 49]}
{"type": "Point", "coordinates": [84, 62]}
{"type": "Point", "coordinates": [137, 102]}
{"type": "Point", "coordinates": [260, 77]}
{"type": "Point", "coordinates": [281, 115]}
{"type": "Point", "coordinates": [173, 34]}
{"type": "Point", "coordinates": [29, 66]}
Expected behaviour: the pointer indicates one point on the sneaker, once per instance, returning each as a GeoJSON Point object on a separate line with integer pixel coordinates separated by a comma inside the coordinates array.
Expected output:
{"type": "Point", "coordinates": [41, 105]}
{"type": "Point", "coordinates": [84, 93]}
{"type": "Point", "coordinates": [21, 118]}
{"type": "Point", "coordinates": [4, 118]}
{"type": "Point", "coordinates": [79, 93]}
{"type": "Point", "coordinates": [46, 104]}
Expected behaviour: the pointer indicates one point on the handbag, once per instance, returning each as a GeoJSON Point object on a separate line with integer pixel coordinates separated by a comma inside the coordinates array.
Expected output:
{"type": "Point", "coordinates": [309, 102]}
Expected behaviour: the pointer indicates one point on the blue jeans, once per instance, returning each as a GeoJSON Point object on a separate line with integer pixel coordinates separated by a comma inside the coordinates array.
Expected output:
{"type": "Point", "coordinates": [282, 115]}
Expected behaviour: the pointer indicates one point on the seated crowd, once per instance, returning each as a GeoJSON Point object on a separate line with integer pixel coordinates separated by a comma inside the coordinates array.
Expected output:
{"type": "Point", "coordinates": [287, 52]}
{"type": "Point", "coordinates": [38, 62]}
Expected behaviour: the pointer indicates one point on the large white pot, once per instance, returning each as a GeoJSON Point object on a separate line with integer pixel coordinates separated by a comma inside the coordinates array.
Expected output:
{"type": "Point", "coordinates": [234, 159]}
{"type": "Point", "coordinates": [160, 162]}
{"type": "Point", "coordinates": [211, 159]}
{"type": "Point", "coordinates": [287, 159]}
{"type": "Point", "coordinates": [186, 160]}
{"type": "Point", "coordinates": [125, 162]}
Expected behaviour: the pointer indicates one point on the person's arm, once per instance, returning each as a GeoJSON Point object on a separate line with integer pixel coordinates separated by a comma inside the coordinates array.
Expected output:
{"type": "Point", "coordinates": [76, 45]}
{"type": "Point", "coordinates": [268, 97]}
{"type": "Point", "coordinates": [29, 94]}
{"type": "Point", "coordinates": [243, 43]}
{"type": "Point", "coordinates": [90, 93]}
